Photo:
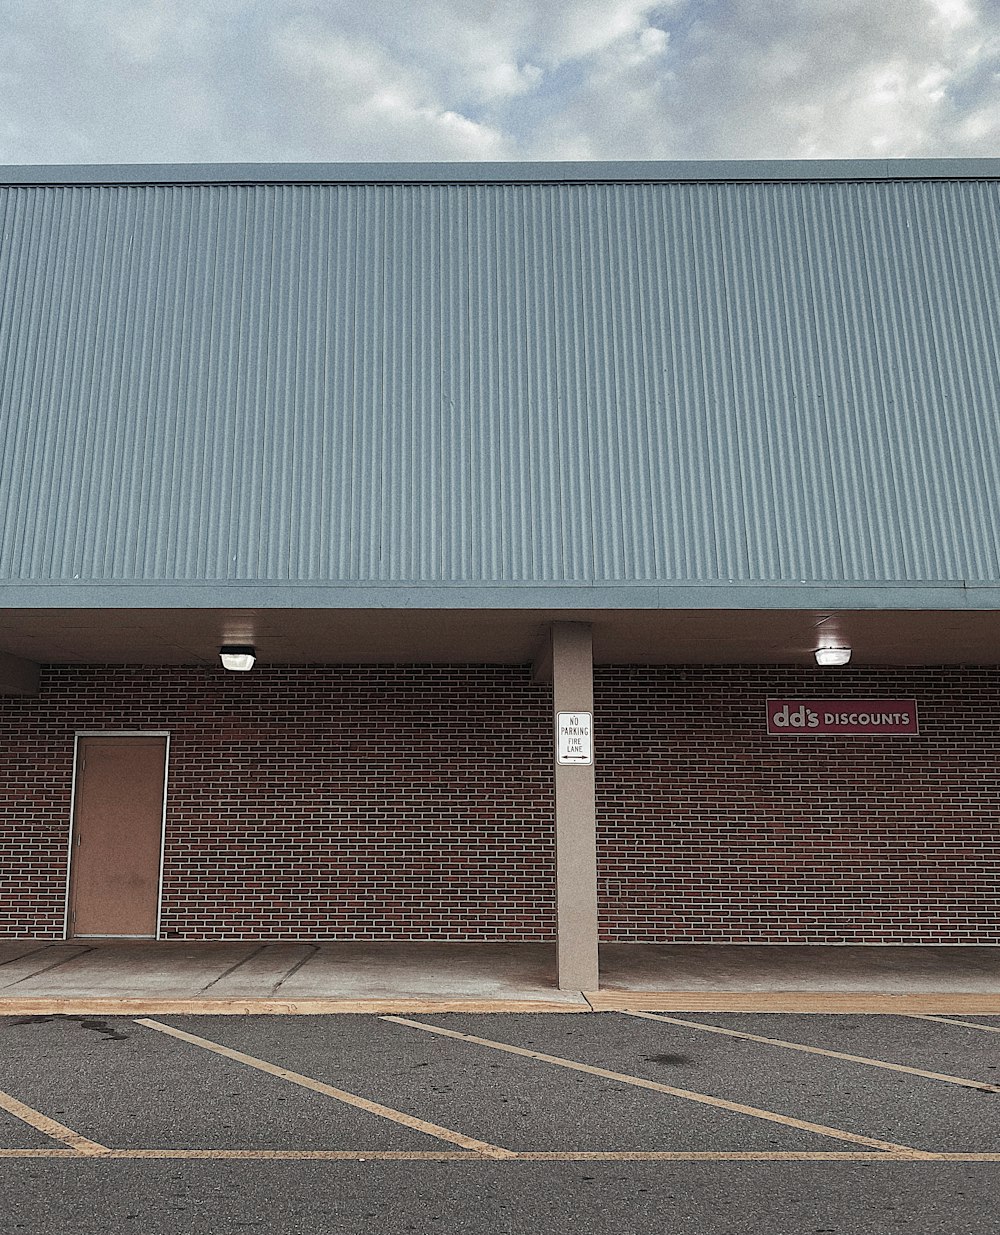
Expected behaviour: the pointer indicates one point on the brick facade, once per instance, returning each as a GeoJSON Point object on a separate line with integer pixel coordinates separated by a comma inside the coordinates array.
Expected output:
{"type": "Point", "coordinates": [408, 802]}
{"type": "Point", "coordinates": [710, 831]}
{"type": "Point", "coordinates": [415, 802]}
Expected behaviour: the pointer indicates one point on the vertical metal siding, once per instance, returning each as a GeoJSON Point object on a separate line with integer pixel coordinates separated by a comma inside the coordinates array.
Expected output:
{"type": "Point", "coordinates": [501, 382]}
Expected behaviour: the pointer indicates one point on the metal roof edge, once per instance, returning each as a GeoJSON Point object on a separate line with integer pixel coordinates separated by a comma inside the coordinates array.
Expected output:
{"type": "Point", "coordinates": [629, 171]}
{"type": "Point", "coordinates": [86, 595]}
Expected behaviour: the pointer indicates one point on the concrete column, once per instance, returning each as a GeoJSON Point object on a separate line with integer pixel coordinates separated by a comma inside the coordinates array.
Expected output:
{"type": "Point", "coordinates": [576, 815]}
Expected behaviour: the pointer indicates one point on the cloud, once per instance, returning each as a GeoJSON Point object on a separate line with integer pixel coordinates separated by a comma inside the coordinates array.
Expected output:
{"type": "Point", "coordinates": [817, 78]}
{"type": "Point", "coordinates": [272, 80]}
{"type": "Point", "coordinates": [351, 96]}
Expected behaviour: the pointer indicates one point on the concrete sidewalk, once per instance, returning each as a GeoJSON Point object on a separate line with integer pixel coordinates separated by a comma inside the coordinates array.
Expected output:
{"type": "Point", "coordinates": [91, 976]}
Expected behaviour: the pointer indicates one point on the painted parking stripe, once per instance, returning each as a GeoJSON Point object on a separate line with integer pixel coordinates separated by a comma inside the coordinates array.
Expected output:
{"type": "Point", "coordinates": [640, 1082]}
{"type": "Point", "coordinates": [308, 1082]}
{"type": "Point", "coordinates": [982, 1086]}
{"type": "Point", "coordinates": [949, 1020]}
{"type": "Point", "coordinates": [545, 1155]}
{"type": "Point", "coordinates": [312, 1155]}
{"type": "Point", "coordinates": [752, 1155]}
{"type": "Point", "coordinates": [50, 1127]}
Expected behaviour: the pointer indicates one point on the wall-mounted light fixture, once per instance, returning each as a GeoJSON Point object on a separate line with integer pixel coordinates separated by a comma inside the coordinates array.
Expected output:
{"type": "Point", "coordinates": [830, 657]}
{"type": "Point", "coordinates": [238, 656]}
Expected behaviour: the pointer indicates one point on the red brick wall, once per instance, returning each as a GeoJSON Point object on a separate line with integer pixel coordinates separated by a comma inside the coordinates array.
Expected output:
{"type": "Point", "coordinates": [711, 831]}
{"type": "Point", "coordinates": [360, 803]}
{"type": "Point", "coordinates": [336, 803]}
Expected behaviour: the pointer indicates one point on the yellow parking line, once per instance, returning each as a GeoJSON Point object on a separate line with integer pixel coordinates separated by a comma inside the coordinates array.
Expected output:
{"type": "Point", "coordinates": [982, 1086]}
{"type": "Point", "coordinates": [751, 1155]}
{"type": "Point", "coordinates": [50, 1127]}
{"type": "Point", "coordinates": [717, 1155]}
{"type": "Point", "coordinates": [307, 1082]}
{"type": "Point", "coordinates": [304, 1155]}
{"type": "Point", "coordinates": [673, 1091]}
{"type": "Point", "coordinates": [949, 1020]}
{"type": "Point", "coordinates": [544, 1155]}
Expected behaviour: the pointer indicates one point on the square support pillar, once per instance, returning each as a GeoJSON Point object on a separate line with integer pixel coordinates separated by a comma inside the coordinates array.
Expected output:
{"type": "Point", "coordinates": [576, 815]}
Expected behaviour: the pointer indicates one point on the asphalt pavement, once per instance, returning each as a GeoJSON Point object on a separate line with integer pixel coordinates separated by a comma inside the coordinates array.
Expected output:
{"type": "Point", "coordinates": [500, 1123]}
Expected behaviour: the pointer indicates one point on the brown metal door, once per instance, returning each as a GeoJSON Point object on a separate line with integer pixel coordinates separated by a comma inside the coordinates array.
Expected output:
{"type": "Point", "coordinates": [117, 824]}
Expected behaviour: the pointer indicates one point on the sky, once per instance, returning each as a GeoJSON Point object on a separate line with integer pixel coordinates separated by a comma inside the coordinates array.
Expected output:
{"type": "Point", "coordinates": [153, 81]}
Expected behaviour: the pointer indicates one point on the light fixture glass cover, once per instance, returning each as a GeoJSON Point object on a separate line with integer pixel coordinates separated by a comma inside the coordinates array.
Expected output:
{"type": "Point", "coordinates": [238, 656]}
{"type": "Point", "coordinates": [828, 657]}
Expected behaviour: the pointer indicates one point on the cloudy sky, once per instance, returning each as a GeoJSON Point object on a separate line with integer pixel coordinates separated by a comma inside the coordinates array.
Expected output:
{"type": "Point", "coordinates": [97, 81]}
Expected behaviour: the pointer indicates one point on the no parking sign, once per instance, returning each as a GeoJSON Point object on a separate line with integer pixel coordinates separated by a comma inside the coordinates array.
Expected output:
{"type": "Point", "coordinates": [574, 737]}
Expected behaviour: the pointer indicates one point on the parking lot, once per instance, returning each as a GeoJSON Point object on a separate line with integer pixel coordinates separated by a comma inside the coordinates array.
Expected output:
{"type": "Point", "coordinates": [493, 1122]}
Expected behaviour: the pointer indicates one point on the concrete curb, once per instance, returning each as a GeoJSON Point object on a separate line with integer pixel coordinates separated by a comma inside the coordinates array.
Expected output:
{"type": "Point", "coordinates": [795, 1001]}
{"type": "Point", "coordinates": [590, 1001]}
{"type": "Point", "coordinates": [153, 1006]}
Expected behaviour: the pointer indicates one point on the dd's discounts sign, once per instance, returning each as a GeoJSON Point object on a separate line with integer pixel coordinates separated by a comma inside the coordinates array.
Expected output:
{"type": "Point", "coordinates": [848, 716]}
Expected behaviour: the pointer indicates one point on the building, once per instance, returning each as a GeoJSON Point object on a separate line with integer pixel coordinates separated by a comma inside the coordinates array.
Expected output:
{"type": "Point", "coordinates": [456, 448]}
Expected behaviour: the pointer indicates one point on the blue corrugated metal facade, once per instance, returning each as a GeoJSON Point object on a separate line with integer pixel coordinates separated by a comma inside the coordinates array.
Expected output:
{"type": "Point", "coordinates": [656, 379]}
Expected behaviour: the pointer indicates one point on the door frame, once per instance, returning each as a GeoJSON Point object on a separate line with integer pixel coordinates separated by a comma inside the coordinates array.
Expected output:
{"type": "Point", "coordinates": [118, 733]}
